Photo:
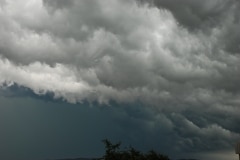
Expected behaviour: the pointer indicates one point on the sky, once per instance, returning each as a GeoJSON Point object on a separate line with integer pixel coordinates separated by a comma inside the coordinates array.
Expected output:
{"type": "Point", "coordinates": [153, 74]}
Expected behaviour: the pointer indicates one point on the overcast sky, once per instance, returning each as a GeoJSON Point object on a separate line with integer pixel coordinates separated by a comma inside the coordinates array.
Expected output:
{"type": "Point", "coordinates": [154, 74]}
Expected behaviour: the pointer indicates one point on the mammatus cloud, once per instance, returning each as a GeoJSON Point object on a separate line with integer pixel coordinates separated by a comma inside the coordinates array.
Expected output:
{"type": "Point", "coordinates": [180, 64]}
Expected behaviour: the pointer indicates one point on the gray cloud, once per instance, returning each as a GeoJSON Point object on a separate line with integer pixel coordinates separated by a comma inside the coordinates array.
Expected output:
{"type": "Point", "coordinates": [60, 4]}
{"type": "Point", "coordinates": [205, 15]}
{"type": "Point", "coordinates": [179, 60]}
{"type": "Point", "coordinates": [196, 14]}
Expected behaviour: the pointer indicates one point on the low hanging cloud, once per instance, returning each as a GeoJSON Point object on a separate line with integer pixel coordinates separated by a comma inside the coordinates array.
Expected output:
{"type": "Point", "coordinates": [176, 61]}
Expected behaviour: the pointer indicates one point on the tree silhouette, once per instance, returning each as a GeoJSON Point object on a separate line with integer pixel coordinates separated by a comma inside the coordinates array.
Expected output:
{"type": "Point", "coordinates": [152, 155]}
{"type": "Point", "coordinates": [113, 152]}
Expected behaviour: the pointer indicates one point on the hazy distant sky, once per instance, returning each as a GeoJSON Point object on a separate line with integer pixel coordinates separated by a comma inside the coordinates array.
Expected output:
{"type": "Point", "coordinates": [154, 74]}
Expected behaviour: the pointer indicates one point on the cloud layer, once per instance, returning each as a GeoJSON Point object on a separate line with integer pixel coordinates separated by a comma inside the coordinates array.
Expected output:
{"type": "Point", "coordinates": [183, 63]}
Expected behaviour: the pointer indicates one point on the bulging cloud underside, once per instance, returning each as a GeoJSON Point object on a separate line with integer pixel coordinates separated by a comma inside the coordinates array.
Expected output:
{"type": "Point", "coordinates": [129, 51]}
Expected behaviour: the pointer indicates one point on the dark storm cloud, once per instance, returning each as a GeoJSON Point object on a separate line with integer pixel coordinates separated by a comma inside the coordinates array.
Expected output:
{"type": "Point", "coordinates": [205, 15]}
{"type": "Point", "coordinates": [197, 14]}
{"type": "Point", "coordinates": [179, 61]}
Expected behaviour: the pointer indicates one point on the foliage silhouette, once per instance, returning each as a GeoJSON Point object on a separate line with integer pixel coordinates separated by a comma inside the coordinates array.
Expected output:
{"type": "Point", "coordinates": [113, 152]}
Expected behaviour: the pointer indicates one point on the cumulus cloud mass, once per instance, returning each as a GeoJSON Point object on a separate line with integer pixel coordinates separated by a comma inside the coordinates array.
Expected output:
{"type": "Point", "coordinates": [179, 60]}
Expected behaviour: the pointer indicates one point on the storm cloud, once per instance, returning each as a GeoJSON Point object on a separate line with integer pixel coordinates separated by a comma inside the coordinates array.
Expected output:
{"type": "Point", "coordinates": [206, 15]}
{"type": "Point", "coordinates": [180, 61]}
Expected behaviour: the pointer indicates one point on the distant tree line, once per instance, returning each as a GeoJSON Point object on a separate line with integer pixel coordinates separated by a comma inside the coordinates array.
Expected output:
{"type": "Point", "coordinates": [113, 152]}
